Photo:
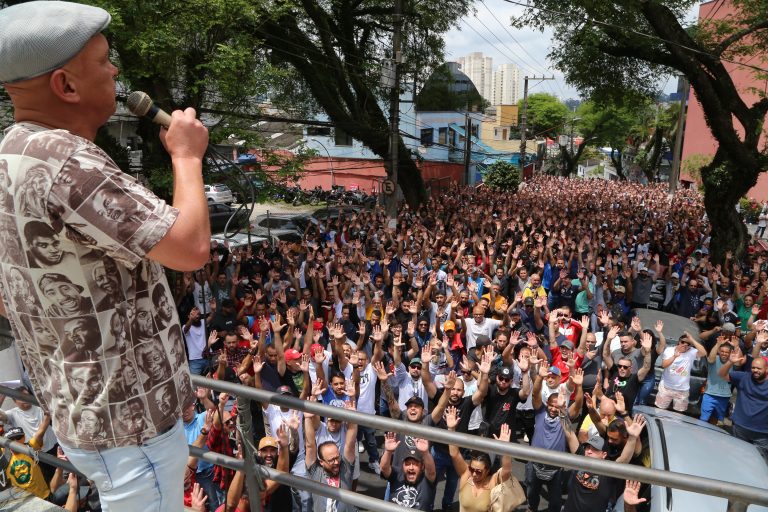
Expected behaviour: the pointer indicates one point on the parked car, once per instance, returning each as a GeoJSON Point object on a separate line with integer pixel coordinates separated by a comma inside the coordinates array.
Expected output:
{"type": "Point", "coordinates": [675, 442]}
{"type": "Point", "coordinates": [674, 327]}
{"type": "Point", "coordinates": [219, 214]}
{"type": "Point", "coordinates": [333, 212]}
{"type": "Point", "coordinates": [239, 240]}
{"type": "Point", "coordinates": [219, 193]}
{"type": "Point", "coordinates": [284, 226]}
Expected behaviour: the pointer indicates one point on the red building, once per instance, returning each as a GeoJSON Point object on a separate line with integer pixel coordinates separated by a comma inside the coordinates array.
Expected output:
{"type": "Point", "coordinates": [698, 138]}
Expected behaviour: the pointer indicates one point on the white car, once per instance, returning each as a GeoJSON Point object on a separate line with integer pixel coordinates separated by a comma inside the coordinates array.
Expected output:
{"type": "Point", "coordinates": [675, 442]}
{"type": "Point", "coordinates": [219, 193]}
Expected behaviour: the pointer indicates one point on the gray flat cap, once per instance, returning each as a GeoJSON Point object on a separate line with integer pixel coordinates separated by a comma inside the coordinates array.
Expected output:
{"type": "Point", "coordinates": [38, 37]}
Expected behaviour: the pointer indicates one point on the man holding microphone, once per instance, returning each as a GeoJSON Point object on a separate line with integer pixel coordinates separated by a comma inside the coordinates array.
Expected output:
{"type": "Point", "coordinates": [54, 65]}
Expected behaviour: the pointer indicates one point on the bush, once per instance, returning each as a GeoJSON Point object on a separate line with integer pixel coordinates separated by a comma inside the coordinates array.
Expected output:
{"type": "Point", "coordinates": [750, 209]}
{"type": "Point", "coordinates": [502, 176]}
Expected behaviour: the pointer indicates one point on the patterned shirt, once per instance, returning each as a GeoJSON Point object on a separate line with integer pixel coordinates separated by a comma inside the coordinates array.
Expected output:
{"type": "Point", "coordinates": [93, 319]}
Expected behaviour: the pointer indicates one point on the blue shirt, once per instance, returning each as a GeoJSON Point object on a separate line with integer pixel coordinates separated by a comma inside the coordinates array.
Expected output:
{"type": "Point", "coordinates": [716, 385]}
{"type": "Point", "coordinates": [192, 431]}
{"type": "Point", "coordinates": [751, 410]}
{"type": "Point", "coordinates": [548, 432]}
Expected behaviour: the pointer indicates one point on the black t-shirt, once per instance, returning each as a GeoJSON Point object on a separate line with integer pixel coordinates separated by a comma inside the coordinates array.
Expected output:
{"type": "Point", "coordinates": [628, 387]}
{"type": "Point", "coordinates": [418, 496]}
{"type": "Point", "coordinates": [464, 408]}
{"type": "Point", "coordinates": [588, 492]}
{"type": "Point", "coordinates": [500, 409]}
{"type": "Point", "coordinates": [407, 443]}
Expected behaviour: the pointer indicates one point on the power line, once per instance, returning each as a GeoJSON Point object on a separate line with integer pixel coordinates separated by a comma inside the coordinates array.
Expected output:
{"type": "Point", "coordinates": [643, 34]}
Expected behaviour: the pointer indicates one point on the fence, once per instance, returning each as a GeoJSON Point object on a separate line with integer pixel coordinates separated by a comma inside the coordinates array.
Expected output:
{"type": "Point", "coordinates": [739, 496]}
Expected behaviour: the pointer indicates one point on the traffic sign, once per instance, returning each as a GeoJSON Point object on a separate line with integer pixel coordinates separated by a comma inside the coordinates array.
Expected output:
{"type": "Point", "coordinates": [388, 187]}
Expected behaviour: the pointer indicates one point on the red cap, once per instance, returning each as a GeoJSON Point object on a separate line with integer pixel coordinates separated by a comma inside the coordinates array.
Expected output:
{"type": "Point", "coordinates": [292, 354]}
{"type": "Point", "coordinates": [317, 324]}
{"type": "Point", "coordinates": [315, 348]}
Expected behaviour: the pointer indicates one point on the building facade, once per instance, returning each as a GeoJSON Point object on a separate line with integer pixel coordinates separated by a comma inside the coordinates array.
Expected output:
{"type": "Point", "coordinates": [480, 70]}
{"type": "Point", "coordinates": [506, 85]}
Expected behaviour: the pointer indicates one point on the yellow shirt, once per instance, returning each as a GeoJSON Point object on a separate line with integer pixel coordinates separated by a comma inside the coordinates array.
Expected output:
{"type": "Point", "coordinates": [530, 292]}
{"type": "Point", "coordinates": [24, 473]}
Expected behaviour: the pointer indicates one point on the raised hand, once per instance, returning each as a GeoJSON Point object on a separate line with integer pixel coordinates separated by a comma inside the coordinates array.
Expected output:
{"type": "Point", "coordinates": [485, 365]}
{"type": "Point", "coordinates": [294, 420]}
{"type": "Point", "coordinates": [632, 492]}
{"type": "Point", "coordinates": [354, 358]}
{"type": "Point", "coordinates": [646, 341]}
{"type": "Point", "coordinates": [450, 379]}
{"type": "Point", "coordinates": [621, 406]}
{"type": "Point", "coordinates": [451, 417]}
{"type": "Point", "coordinates": [636, 324]}
{"type": "Point", "coordinates": [505, 433]}
{"type": "Point", "coordinates": [381, 371]}
{"type": "Point", "coordinates": [531, 340]}
{"type": "Point", "coordinates": [304, 366]}
{"type": "Point", "coordinates": [318, 387]}
{"type": "Point", "coordinates": [283, 434]}
{"type": "Point", "coordinates": [426, 354]}
{"type": "Point", "coordinates": [636, 427]}
{"type": "Point", "coordinates": [213, 337]}
{"type": "Point", "coordinates": [349, 388]}
{"type": "Point", "coordinates": [276, 325]}
{"type": "Point", "coordinates": [659, 327]}
{"type": "Point", "coordinates": [612, 332]}
{"type": "Point", "coordinates": [390, 442]}
{"type": "Point", "coordinates": [198, 496]}
{"type": "Point", "coordinates": [422, 445]}
{"type": "Point", "coordinates": [577, 376]}
{"type": "Point", "coordinates": [258, 364]}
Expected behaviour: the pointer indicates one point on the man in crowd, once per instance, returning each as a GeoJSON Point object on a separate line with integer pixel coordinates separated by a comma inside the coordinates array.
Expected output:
{"type": "Point", "coordinates": [412, 485]}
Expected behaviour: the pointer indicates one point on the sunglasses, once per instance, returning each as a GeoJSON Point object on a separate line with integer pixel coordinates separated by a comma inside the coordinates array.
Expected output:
{"type": "Point", "coordinates": [466, 372]}
{"type": "Point", "coordinates": [476, 471]}
{"type": "Point", "coordinates": [504, 379]}
{"type": "Point", "coordinates": [416, 366]}
{"type": "Point", "coordinates": [625, 366]}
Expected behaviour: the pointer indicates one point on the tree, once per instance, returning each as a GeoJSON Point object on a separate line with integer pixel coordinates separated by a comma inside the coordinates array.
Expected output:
{"type": "Point", "coordinates": [338, 49]}
{"type": "Point", "coordinates": [546, 114]}
{"type": "Point", "coordinates": [502, 176]}
{"type": "Point", "coordinates": [603, 58]}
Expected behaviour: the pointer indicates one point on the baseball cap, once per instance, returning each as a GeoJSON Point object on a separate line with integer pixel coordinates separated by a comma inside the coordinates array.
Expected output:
{"type": "Point", "coordinates": [514, 311]}
{"type": "Point", "coordinates": [413, 454]}
{"type": "Point", "coordinates": [267, 442]}
{"type": "Point", "coordinates": [675, 275]}
{"type": "Point", "coordinates": [642, 268]}
{"type": "Point", "coordinates": [292, 354]}
{"type": "Point", "coordinates": [728, 326]}
{"type": "Point", "coordinates": [596, 442]}
{"type": "Point", "coordinates": [284, 390]}
{"type": "Point", "coordinates": [415, 400]}
{"type": "Point", "coordinates": [415, 360]}
{"type": "Point", "coordinates": [554, 370]}
{"type": "Point", "coordinates": [528, 301]}
{"type": "Point", "coordinates": [449, 326]}
{"type": "Point", "coordinates": [38, 37]}
{"type": "Point", "coordinates": [567, 344]}
{"type": "Point", "coordinates": [505, 372]}
{"type": "Point", "coordinates": [620, 289]}
{"type": "Point", "coordinates": [315, 348]}
{"type": "Point", "coordinates": [14, 433]}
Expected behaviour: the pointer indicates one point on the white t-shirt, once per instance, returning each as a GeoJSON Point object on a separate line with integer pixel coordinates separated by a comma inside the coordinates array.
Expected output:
{"type": "Point", "coordinates": [445, 315]}
{"type": "Point", "coordinates": [29, 421]}
{"type": "Point", "coordinates": [275, 418]}
{"type": "Point", "coordinates": [409, 387]}
{"type": "Point", "coordinates": [202, 294]}
{"type": "Point", "coordinates": [366, 402]}
{"type": "Point", "coordinates": [196, 341]}
{"type": "Point", "coordinates": [677, 376]}
{"type": "Point", "coordinates": [474, 330]}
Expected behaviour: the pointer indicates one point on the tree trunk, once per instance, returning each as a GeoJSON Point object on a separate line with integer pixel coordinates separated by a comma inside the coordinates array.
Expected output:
{"type": "Point", "coordinates": [618, 165]}
{"type": "Point", "coordinates": [723, 187]}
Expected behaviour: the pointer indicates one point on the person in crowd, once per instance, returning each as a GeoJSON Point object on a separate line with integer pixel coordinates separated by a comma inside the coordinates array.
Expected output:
{"type": "Point", "coordinates": [413, 483]}
{"type": "Point", "coordinates": [717, 395]}
{"type": "Point", "coordinates": [22, 470]}
{"type": "Point", "coordinates": [750, 414]}
{"type": "Point", "coordinates": [675, 381]}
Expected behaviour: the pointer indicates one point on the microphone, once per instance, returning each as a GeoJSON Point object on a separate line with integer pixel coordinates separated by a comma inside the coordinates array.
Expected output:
{"type": "Point", "coordinates": [141, 105]}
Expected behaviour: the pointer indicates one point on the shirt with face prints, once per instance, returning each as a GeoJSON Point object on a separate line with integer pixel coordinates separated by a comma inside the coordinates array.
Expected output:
{"type": "Point", "coordinates": [89, 311]}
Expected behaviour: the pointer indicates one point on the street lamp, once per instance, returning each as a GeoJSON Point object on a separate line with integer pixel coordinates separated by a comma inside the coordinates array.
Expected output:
{"type": "Point", "coordinates": [330, 162]}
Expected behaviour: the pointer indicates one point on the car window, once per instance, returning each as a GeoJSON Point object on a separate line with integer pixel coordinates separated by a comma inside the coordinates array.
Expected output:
{"type": "Point", "coordinates": [273, 223]}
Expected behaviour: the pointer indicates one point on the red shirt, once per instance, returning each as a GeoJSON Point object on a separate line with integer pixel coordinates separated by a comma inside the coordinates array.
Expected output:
{"type": "Point", "coordinates": [557, 360]}
{"type": "Point", "coordinates": [572, 331]}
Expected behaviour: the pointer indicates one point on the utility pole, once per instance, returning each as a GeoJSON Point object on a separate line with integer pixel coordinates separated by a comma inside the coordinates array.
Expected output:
{"type": "Point", "coordinates": [394, 114]}
{"type": "Point", "coordinates": [674, 175]}
{"type": "Point", "coordinates": [467, 146]}
{"type": "Point", "coordinates": [524, 119]}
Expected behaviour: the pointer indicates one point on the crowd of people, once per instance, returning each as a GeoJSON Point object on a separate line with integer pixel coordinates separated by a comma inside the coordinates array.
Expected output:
{"type": "Point", "coordinates": [502, 316]}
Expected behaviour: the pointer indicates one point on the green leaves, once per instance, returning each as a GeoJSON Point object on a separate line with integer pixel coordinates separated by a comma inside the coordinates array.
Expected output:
{"type": "Point", "coordinates": [502, 176]}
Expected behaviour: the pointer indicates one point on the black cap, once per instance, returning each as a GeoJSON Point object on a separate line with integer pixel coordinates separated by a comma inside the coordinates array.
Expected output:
{"type": "Point", "coordinates": [414, 454]}
{"type": "Point", "coordinates": [528, 301]}
{"type": "Point", "coordinates": [14, 433]}
{"type": "Point", "coordinates": [505, 372]}
{"type": "Point", "coordinates": [415, 400]}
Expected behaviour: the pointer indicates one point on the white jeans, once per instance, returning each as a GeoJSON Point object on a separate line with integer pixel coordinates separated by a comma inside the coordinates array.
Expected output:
{"type": "Point", "coordinates": [145, 478]}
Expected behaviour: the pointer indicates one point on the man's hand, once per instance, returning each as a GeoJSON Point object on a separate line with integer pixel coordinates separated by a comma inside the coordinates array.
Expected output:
{"type": "Point", "coordinates": [390, 442]}
{"type": "Point", "coordinates": [646, 342]}
{"type": "Point", "coordinates": [381, 371]}
{"type": "Point", "coordinates": [636, 426]}
{"type": "Point", "coordinates": [451, 418]}
{"type": "Point", "coordinates": [283, 436]}
{"type": "Point", "coordinates": [505, 434]}
{"type": "Point", "coordinates": [631, 493]}
{"type": "Point", "coordinates": [577, 376]}
{"type": "Point", "coordinates": [258, 364]}
{"type": "Point", "coordinates": [422, 445]}
{"type": "Point", "coordinates": [426, 354]}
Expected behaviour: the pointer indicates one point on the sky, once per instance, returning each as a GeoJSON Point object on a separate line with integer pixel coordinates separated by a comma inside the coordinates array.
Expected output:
{"type": "Point", "coordinates": [488, 31]}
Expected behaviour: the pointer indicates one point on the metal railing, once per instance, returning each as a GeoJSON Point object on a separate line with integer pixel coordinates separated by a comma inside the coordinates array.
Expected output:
{"type": "Point", "coordinates": [739, 495]}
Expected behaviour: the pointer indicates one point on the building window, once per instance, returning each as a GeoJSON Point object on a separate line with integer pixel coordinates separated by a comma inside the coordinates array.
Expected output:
{"type": "Point", "coordinates": [342, 138]}
{"type": "Point", "coordinates": [497, 134]}
{"type": "Point", "coordinates": [427, 136]}
{"type": "Point", "coordinates": [442, 136]}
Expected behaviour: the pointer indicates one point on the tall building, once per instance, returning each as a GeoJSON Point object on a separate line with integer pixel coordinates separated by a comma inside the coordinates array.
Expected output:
{"type": "Point", "coordinates": [479, 69]}
{"type": "Point", "coordinates": [506, 85]}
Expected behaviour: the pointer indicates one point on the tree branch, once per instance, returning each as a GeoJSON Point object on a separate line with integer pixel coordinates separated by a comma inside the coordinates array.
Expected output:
{"type": "Point", "coordinates": [736, 36]}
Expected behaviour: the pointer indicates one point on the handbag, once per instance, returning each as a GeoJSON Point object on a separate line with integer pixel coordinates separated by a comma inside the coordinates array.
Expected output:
{"type": "Point", "coordinates": [507, 495]}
